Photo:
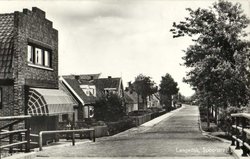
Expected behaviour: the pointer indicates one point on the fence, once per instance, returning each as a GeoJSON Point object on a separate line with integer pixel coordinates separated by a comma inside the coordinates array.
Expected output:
{"type": "Point", "coordinates": [65, 132]}
{"type": "Point", "coordinates": [138, 120]}
{"type": "Point", "coordinates": [15, 137]}
{"type": "Point", "coordinates": [240, 132]}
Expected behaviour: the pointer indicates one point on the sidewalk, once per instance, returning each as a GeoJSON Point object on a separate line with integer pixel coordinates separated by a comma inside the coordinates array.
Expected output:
{"type": "Point", "coordinates": [149, 124]}
{"type": "Point", "coordinates": [160, 118]}
{"type": "Point", "coordinates": [32, 155]}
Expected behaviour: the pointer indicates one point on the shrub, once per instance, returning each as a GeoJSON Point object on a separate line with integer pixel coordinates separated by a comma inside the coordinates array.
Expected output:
{"type": "Point", "coordinates": [109, 108]}
{"type": "Point", "coordinates": [119, 126]}
{"type": "Point", "coordinates": [225, 119]}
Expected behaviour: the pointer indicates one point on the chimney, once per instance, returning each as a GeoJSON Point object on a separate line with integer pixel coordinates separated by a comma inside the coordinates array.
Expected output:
{"type": "Point", "coordinates": [109, 77]}
{"type": "Point", "coordinates": [129, 83]}
{"type": "Point", "coordinates": [77, 77]}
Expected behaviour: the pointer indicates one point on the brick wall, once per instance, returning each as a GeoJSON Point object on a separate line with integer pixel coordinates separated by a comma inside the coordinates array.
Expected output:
{"type": "Point", "coordinates": [7, 100]}
{"type": "Point", "coordinates": [35, 28]}
{"type": "Point", "coordinates": [30, 27]}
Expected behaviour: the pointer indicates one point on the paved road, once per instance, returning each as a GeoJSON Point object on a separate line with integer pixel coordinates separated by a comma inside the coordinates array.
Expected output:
{"type": "Point", "coordinates": [177, 136]}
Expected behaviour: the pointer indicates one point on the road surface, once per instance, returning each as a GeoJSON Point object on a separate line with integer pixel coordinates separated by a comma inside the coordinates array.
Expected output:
{"type": "Point", "coordinates": [175, 137]}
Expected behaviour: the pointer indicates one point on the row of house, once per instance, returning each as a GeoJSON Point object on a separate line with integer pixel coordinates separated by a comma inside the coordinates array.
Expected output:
{"type": "Point", "coordinates": [29, 81]}
{"type": "Point", "coordinates": [87, 89]}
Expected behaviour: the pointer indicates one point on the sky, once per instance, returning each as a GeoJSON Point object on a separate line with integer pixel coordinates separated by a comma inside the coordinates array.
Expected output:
{"type": "Point", "coordinates": [119, 38]}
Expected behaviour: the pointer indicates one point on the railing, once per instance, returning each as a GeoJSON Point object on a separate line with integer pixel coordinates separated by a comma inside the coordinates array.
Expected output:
{"type": "Point", "coordinates": [66, 132]}
{"type": "Point", "coordinates": [240, 132]}
{"type": "Point", "coordinates": [15, 137]}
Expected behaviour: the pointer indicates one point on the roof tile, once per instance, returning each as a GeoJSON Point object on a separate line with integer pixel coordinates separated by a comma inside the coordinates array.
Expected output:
{"type": "Point", "coordinates": [6, 44]}
{"type": "Point", "coordinates": [102, 83]}
{"type": "Point", "coordinates": [75, 85]}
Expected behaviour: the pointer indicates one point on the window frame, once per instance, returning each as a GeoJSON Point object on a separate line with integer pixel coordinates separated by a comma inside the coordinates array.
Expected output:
{"type": "Point", "coordinates": [35, 62]}
{"type": "Point", "coordinates": [47, 57]}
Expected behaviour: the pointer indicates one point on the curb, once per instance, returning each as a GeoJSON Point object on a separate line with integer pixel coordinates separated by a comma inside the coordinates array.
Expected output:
{"type": "Point", "coordinates": [32, 155]}
{"type": "Point", "coordinates": [237, 153]}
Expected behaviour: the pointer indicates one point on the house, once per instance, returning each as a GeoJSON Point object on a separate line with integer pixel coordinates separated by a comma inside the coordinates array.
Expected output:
{"type": "Point", "coordinates": [29, 70]}
{"type": "Point", "coordinates": [137, 100]}
{"type": "Point", "coordinates": [68, 117]}
{"type": "Point", "coordinates": [109, 86]}
{"type": "Point", "coordinates": [153, 101]}
{"type": "Point", "coordinates": [131, 101]}
{"type": "Point", "coordinates": [84, 92]}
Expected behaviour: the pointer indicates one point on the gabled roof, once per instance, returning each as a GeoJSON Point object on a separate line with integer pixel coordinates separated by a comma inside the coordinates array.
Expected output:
{"type": "Point", "coordinates": [6, 45]}
{"type": "Point", "coordinates": [133, 96]}
{"type": "Point", "coordinates": [87, 77]}
{"type": "Point", "coordinates": [128, 99]}
{"type": "Point", "coordinates": [74, 86]}
{"type": "Point", "coordinates": [103, 83]}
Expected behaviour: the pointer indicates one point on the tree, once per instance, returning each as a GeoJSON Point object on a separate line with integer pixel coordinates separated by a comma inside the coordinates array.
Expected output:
{"type": "Point", "coordinates": [219, 57]}
{"type": "Point", "coordinates": [109, 108]}
{"type": "Point", "coordinates": [168, 87]}
{"type": "Point", "coordinates": [144, 86]}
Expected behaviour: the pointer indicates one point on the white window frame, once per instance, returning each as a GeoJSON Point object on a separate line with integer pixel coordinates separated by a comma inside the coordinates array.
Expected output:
{"type": "Point", "coordinates": [30, 56]}
{"type": "Point", "coordinates": [47, 58]}
{"type": "Point", "coordinates": [39, 57]}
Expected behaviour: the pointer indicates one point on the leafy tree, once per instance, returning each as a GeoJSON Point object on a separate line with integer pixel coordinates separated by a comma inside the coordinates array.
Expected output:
{"type": "Point", "coordinates": [109, 108]}
{"type": "Point", "coordinates": [220, 55]}
{"type": "Point", "coordinates": [144, 86]}
{"type": "Point", "coordinates": [168, 87]}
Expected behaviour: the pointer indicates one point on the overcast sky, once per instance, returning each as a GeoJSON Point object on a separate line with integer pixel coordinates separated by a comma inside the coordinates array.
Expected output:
{"type": "Point", "coordinates": [121, 38]}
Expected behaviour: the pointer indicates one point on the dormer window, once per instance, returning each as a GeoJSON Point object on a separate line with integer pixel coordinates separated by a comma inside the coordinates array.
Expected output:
{"type": "Point", "coordinates": [88, 90]}
{"type": "Point", "coordinates": [39, 56]}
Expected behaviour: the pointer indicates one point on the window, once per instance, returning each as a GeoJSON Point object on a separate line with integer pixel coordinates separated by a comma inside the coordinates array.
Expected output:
{"type": "Point", "coordinates": [30, 54]}
{"type": "Point", "coordinates": [1, 98]}
{"type": "Point", "coordinates": [85, 89]}
{"type": "Point", "coordinates": [39, 56]}
{"type": "Point", "coordinates": [65, 117]}
{"type": "Point", "coordinates": [47, 58]}
{"type": "Point", "coordinates": [92, 90]}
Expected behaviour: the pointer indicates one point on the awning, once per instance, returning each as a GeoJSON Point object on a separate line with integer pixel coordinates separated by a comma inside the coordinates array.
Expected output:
{"type": "Point", "coordinates": [49, 102]}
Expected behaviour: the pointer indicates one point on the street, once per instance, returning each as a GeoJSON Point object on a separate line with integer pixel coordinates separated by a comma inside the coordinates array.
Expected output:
{"type": "Point", "coordinates": [177, 136]}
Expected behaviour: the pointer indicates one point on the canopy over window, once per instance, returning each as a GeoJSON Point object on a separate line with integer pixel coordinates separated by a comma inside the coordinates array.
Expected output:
{"type": "Point", "coordinates": [49, 102]}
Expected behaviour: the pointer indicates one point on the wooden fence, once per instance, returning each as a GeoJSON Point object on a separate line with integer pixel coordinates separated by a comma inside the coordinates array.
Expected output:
{"type": "Point", "coordinates": [16, 138]}
{"type": "Point", "coordinates": [241, 132]}
{"type": "Point", "coordinates": [91, 131]}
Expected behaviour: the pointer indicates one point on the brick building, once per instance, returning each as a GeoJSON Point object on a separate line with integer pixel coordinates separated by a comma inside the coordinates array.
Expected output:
{"type": "Point", "coordinates": [29, 69]}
